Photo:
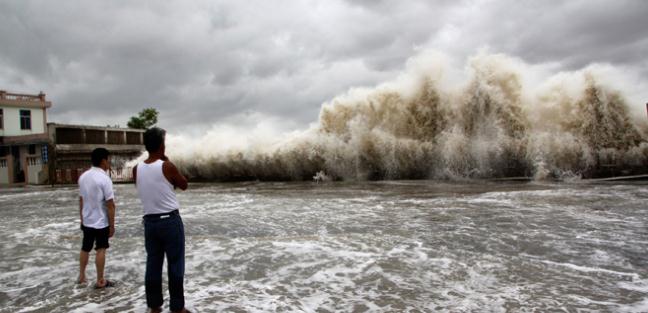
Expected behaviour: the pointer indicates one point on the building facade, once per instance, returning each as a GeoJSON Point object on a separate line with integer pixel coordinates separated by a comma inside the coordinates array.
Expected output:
{"type": "Point", "coordinates": [33, 151]}
{"type": "Point", "coordinates": [23, 138]}
{"type": "Point", "coordinates": [71, 145]}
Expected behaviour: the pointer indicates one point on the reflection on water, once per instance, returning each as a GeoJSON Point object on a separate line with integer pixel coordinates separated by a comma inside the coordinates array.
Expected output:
{"type": "Point", "coordinates": [385, 246]}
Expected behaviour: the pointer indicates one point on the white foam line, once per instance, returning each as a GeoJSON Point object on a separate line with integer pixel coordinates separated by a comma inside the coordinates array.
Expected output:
{"type": "Point", "coordinates": [21, 288]}
{"type": "Point", "coordinates": [592, 269]}
{"type": "Point", "coordinates": [592, 301]}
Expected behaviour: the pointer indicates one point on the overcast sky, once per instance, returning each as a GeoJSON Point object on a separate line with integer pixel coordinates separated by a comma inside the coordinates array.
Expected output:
{"type": "Point", "coordinates": [202, 63]}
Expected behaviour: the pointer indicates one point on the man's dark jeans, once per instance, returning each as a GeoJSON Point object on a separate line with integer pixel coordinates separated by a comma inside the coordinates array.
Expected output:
{"type": "Point", "coordinates": [164, 235]}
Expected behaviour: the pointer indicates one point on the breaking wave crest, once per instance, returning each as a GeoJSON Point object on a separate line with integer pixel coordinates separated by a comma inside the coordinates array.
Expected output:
{"type": "Point", "coordinates": [493, 124]}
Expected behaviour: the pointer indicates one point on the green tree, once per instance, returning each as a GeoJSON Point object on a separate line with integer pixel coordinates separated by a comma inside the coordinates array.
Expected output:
{"type": "Point", "coordinates": [144, 119]}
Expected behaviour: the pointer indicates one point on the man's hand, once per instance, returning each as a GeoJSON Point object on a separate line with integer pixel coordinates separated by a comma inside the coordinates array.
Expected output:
{"type": "Point", "coordinates": [111, 231]}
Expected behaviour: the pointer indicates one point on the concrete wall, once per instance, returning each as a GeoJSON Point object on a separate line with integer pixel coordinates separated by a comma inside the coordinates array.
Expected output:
{"type": "Point", "coordinates": [34, 166]}
{"type": "Point", "coordinates": [34, 169]}
{"type": "Point", "coordinates": [69, 165]}
{"type": "Point", "coordinates": [35, 172]}
{"type": "Point", "coordinates": [4, 171]}
{"type": "Point", "coordinates": [11, 121]}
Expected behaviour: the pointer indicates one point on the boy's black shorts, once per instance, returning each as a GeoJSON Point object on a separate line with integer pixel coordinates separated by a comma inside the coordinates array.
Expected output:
{"type": "Point", "coordinates": [92, 235]}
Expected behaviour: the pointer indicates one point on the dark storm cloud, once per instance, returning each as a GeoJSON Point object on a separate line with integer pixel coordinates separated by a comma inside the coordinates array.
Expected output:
{"type": "Point", "coordinates": [205, 62]}
{"type": "Point", "coordinates": [575, 33]}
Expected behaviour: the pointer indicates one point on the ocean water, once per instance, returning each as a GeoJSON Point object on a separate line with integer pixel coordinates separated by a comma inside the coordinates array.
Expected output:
{"type": "Point", "coordinates": [402, 246]}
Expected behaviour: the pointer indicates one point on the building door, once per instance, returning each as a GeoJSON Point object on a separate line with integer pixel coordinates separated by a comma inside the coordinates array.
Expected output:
{"type": "Point", "coordinates": [18, 172]}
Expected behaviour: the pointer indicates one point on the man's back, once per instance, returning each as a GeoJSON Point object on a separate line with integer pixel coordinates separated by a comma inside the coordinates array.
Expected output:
{"type": "Point", "coordinates": [95, 188]}
{"type": "Point", "coordinates": [97, 213]}
{"type": "Point", "coordinates": [155, 191]}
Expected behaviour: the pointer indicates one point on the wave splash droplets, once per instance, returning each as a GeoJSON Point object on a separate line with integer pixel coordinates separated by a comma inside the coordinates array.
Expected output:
{"type": "Point", "coordinates": [495, 124]}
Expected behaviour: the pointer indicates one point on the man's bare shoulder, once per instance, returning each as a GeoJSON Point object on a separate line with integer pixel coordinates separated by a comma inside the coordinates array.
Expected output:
{"type": "Point", "coordinates": [168, 164]}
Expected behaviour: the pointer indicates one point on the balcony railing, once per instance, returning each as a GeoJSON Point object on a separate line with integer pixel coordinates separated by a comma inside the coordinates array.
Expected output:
{"type": "Point", "coordinates": [71, 175]}
{"type": "Point", "coordinates": [32, 161]}
{"type": "Point", "coordinates": [21, 97]}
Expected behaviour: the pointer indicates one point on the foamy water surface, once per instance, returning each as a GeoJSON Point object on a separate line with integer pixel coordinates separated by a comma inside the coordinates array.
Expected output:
{"type": "Point", "coordinates": [354, 247]}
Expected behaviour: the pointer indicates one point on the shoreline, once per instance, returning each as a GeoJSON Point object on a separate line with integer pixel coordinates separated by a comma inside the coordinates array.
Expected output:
{"type": "Point", "coordinates": [519, 179]}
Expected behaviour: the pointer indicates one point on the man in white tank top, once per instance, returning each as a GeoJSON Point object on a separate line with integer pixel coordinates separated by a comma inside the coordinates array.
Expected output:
{"type": "Point", "coordinates": [155, 179]}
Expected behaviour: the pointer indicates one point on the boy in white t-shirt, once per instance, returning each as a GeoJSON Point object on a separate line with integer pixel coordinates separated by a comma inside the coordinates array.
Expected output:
{"type": "Point", "coordinates": [97, 211]}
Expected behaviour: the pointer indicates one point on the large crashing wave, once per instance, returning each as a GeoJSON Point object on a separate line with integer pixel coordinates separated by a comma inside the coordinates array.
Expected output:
{"type": "Point", "coordinates": [492, 125]}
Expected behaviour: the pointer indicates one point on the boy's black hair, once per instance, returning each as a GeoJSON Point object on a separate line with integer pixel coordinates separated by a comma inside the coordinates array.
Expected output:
{"type": "Point", "coordinates": [98, 155]}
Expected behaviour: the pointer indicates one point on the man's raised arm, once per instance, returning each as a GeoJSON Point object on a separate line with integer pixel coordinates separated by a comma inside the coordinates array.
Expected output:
{"type": "Point", "coordinates": [173, 175]}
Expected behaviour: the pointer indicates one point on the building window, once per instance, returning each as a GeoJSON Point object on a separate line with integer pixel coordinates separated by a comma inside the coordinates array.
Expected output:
{"type": "Point", "coordinates": [1, 119]}
{"type": "Point", "coordinates": [25, 119]}
{"type": "Point", "coordinates": [32, 149]}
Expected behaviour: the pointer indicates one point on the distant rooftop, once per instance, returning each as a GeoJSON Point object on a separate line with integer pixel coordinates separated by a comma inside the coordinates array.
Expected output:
{"type": "Point", "coordinates": [19, 99]}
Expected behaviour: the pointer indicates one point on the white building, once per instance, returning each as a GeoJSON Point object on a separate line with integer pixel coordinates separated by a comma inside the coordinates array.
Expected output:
{"type": "Point", "coordinates": [23, 138]}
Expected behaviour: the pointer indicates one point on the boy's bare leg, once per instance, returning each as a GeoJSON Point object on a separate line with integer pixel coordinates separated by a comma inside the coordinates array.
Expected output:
{"type": "Point", "coordinates": [100, 261]}
{"type": "Point", "coordinates": [83, 262]}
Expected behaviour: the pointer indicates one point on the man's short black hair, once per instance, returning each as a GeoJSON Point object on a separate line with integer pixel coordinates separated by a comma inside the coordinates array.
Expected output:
{"type": "Point", "coordinates": [154, 138]}
{"type": "Point", "coordinates": [98, 155]}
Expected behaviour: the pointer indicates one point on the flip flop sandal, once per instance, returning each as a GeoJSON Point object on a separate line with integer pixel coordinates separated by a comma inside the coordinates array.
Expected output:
{"type": "Point", "coordinates": [108, 284]}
